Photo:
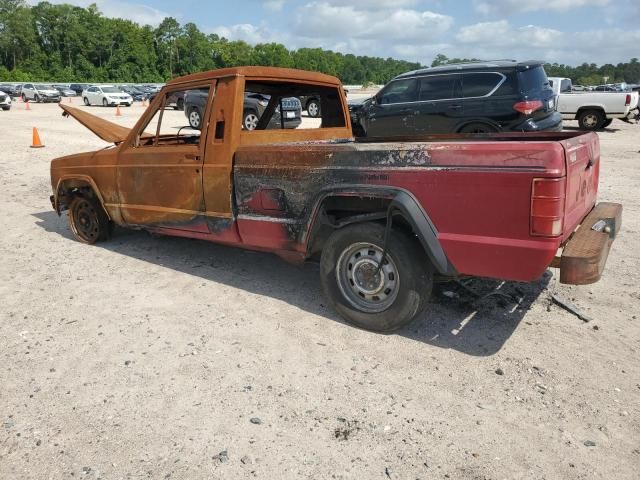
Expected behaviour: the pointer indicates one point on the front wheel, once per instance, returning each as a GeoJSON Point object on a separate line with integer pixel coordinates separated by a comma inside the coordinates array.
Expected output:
{"type": "Point", "coordinates": [105, 103]}
{"type": "Point", "coordinates": [88, 221]}
{"type": "Point", "coordinates": [378, 299]}
{"type": "Point", "coordinates": [86, 101]}
{"type": "Point", "coordinates": [36, 99]}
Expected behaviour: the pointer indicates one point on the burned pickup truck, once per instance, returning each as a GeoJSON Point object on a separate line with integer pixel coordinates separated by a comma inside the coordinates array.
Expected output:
{"type": "Point", "coordinates": [383, 216]}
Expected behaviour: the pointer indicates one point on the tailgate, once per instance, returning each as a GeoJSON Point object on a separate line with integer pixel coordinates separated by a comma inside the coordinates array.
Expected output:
{"type": "Point", "coordinates": [582, 155]}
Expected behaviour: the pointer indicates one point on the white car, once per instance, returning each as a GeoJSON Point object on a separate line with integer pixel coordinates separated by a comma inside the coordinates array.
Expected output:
{"type": "Point", "coordinates": [39, 93]}
{"type": "Point", "coordinates": [106, 95]}
{"type": "Point", "coordinates": [593, 110]}
{"type": "Point", "coordinates": [5, 101]}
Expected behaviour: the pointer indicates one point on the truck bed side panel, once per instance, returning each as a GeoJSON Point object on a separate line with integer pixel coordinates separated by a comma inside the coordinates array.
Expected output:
{"type": "Point", "coordinates": [477, 193]}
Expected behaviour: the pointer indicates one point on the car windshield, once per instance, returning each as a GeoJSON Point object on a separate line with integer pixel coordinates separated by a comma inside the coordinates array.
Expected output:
{"type": "Point", "coordinates": [533, 79]}
{"type": "Point", "coordinates": [111, 90]}
{"type": "Point", "coordinates": [45, 87]}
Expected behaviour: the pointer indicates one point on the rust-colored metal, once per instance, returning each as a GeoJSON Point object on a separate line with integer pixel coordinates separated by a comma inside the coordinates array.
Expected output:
{"type": "Point", "coordinates": [106, 130]}
{"type": "Point", "coordinates": [585, 254]}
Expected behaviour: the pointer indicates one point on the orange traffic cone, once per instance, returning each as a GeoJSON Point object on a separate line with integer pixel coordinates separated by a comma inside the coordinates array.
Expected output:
{"type": "Point", "coordinates": [118, 112]}
{"type": "Point", "coordinates": [36, 139]}
{"type": "Point", "coordinates": [27, 103]}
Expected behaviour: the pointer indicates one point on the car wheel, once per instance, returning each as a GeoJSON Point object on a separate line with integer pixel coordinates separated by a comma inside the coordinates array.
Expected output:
{"type": "Point", "coordinates": [313, 108]}
{"type": "Point", "coordinates": [607, 122]}
{"type": "Point", "coordinates": [375, 299]}
{"type": "Point", "coordinates": [24, 97]}
{"type": "Point", "coordinates": [105, 103]}
{"type": "Point", "coordinates": [478, 128]}
{"type": "Point", "coordinates": [36, 98]}
{"type": "Point", "coordinates": [590, 120]}
{"type": "Point", "coordinates": [88, 221]}
{"type": "Point", "coordinates": [86, 101]}
{"type": "Point", "coordinates": [250, 120]}
{"type": "Point", "coordinates": [195, 119]}
{"type": "Point", "coordinates": [6, 108]}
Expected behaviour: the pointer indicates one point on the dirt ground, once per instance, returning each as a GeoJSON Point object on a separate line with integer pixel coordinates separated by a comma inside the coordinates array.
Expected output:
{"type": "Point", "coordinates": [169, 358]}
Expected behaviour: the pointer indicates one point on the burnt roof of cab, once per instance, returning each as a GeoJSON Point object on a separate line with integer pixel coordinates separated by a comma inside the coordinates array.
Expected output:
{"type": "Point", "coordinates": [275, 73]}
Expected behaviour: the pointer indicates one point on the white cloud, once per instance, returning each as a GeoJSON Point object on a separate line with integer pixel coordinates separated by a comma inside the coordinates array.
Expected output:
{"type": "Point", "coordinates": [512, 6]}
{"type": "Point", "coordinates": [136, 12]}
{"type": "Point", "coordinates": [250, 33]}
{"type": "Point", "coordinates": [330, 23]}
{"type": "Point", "coordinates": [502, 33]}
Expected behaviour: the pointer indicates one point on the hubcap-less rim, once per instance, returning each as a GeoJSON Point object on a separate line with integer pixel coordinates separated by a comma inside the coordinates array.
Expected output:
{"type": "Point", "coordinates": [313, 109]}
{"type": "Point", "coordinates": [85, 221]}
{"type": "Point", "coordinates": [360, 282]}
{"type": "Point", "coordinates": [251, 121]}
{"type": "Point", "coordinates": [194, 119]}
{"type": "Point", "coordinates": [590, 121]}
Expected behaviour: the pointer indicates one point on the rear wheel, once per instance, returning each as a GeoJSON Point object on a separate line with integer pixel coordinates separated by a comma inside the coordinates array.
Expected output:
{"type": "Point", "coordinates": [88, 221]}
{"type": "Point", "coordinates": [478, 128]}
{"type": "Point", "coordinates": [195, 119]}
{"type": "Point", "coordinates": [313, 108]}
{"type": "Point", "coordinates": [590, 119]}
{"type": "Point", "coordinates": [378, 299]}
{"type": "Point", "coordinates": [250, 120]}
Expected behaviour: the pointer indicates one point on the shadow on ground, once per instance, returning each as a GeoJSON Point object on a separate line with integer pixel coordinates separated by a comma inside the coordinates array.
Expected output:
{"type": "Point", "coordinates": [475, 316]}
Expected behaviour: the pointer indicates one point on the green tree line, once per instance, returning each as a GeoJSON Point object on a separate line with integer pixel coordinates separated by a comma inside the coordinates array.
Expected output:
{"type": "Point", "coordinates": [65, 43]}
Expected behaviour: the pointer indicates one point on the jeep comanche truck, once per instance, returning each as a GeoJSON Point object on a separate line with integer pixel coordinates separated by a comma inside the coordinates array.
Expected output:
{"type": "Point", "coordinates": [383, 216]}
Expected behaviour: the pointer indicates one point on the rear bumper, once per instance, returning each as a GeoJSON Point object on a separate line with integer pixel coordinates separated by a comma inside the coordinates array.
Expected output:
{"type": "Point", "coordinates": [551, 123]}
{"type": "Point", "coordinates": [585, 254]}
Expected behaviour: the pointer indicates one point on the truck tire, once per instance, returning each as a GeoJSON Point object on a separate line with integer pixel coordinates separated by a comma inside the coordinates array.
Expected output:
{"type": "Point", "coordinates": [378, 301]}
{"type": "Point", "coordinates": [590, 120]}
{"type": "Point", "coordinates": [88, 221]}
{"type": "Point", "coordinates": [313, 108]}
{"type": "Point", "coordinates": [607, 122]}
{"type": "Point", "coordinates": [250, 120]}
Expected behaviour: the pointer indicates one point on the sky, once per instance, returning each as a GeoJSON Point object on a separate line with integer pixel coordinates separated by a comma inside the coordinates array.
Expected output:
{"type": "Point", "coordinates": [563, 31]}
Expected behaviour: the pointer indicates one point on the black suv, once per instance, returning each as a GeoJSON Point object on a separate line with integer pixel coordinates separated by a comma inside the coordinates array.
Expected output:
{"type": "Point", "coordinates": [482, 97]}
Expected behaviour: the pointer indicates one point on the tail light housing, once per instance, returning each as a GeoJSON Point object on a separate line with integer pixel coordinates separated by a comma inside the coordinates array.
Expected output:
{"type": "Point", "coordinates": [528, 106]}
{"type": "Point", "coordinates": [547, 206]}
{"type": "Point", "coordinates": [627, 101]}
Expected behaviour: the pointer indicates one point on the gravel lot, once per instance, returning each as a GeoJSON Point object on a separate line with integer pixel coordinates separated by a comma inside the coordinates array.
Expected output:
{"type": "Point", "coordinates": [170, 358]}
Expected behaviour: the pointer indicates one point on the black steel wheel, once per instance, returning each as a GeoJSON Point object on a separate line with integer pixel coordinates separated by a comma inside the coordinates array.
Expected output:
{"type": "Point", "coordinates": [367, 295]}
{"type": "Point", "coordinates": [88, 221]}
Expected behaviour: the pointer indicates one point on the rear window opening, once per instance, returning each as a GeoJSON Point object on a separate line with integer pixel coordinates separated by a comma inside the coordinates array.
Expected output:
{"type": "Point", "coordinates": [288, 106]}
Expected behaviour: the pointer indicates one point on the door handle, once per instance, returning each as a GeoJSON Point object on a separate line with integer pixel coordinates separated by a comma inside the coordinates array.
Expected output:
{"type": "Point", "coordinates": [192, 156]}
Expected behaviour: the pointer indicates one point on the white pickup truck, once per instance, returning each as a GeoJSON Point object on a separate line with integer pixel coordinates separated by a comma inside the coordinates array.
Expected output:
{"type": "Point", "coordinates": [593, 110]}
